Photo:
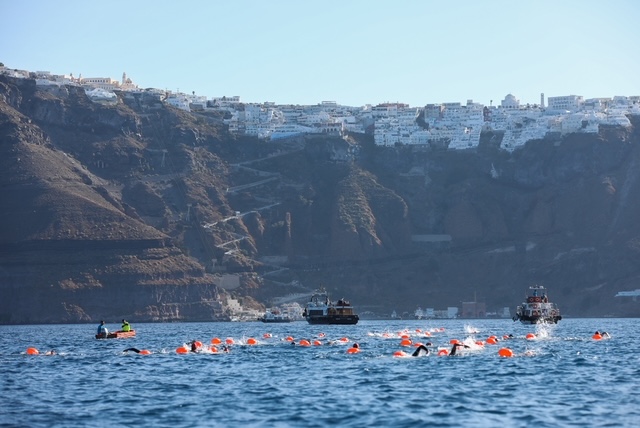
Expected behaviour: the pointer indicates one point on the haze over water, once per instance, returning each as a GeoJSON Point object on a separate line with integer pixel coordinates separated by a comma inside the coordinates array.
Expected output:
{"type": "Point", "coordinates": [562, 378]}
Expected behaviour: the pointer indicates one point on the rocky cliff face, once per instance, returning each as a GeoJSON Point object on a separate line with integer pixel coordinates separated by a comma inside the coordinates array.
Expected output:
{"type": "Point", "coordinates": [73, 246]}
{"type": "Point", "coordinates": [135, 210]}
{"type": "Point", "coordinates": [559, 212]}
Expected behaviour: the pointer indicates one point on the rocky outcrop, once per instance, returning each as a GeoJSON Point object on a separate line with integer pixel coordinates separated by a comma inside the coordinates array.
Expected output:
{"type": "Point", "coordinates": [368, 220]}
{"type": "Point", "coordinates": [71, 248]}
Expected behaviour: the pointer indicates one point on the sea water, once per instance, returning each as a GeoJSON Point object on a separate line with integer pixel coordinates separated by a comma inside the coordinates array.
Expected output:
{"type": "Point", "coordinates": [561, 377]}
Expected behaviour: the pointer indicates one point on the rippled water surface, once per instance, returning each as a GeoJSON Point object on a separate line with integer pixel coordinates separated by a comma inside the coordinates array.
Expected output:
{"type": "Point", "coordinates": [561, 378]}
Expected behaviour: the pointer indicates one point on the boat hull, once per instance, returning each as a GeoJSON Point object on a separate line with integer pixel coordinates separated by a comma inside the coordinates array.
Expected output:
{"type": "Point", "coordinates": [339, 320]}
{"type": "Point", "coordinates": [539, 320]}
{"type": "Point", "coordinates": [117, 335]}
{"type": "Point", "coordinates": [276, 321]}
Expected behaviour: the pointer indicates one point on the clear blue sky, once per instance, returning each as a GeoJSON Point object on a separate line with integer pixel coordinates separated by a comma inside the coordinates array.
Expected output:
{"type": "Point", "coordinates": [350, 51]}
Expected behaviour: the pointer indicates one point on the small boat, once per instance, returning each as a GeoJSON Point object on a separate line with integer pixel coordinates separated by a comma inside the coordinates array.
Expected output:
{"type": "Point", "coordinates": [117, 335]}
{"type": "Point", "coordinates": [537, 309]}
{"type": "Point", "coordinates": [275, 316]}
{"type": "Point", "coordinates": [321, 310]}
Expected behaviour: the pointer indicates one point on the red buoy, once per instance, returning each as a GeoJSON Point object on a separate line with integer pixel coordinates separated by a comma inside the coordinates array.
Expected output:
{"type": "Point", "coordinates": [505, 352]}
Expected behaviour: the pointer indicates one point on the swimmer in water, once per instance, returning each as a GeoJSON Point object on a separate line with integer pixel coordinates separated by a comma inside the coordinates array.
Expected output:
{"type": "Point", "coordinates": [454, 348]}
{"type": "Point", "coordinates": [138, 351]}
{"type": "Point", "coordinates": [422, 350]}
{"type": "Point", "coordinates": [603, 333]}
{"type": "Point", "coordinates": [52, 352]}
{"type": "Point", "coordinates": [196, 346]}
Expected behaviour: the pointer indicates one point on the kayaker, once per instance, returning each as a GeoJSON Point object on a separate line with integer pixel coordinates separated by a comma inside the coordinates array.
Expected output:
{"type": "Point", "coordinates": [102, 329]}
{"type": "Point", "coordinates": [125, 326]}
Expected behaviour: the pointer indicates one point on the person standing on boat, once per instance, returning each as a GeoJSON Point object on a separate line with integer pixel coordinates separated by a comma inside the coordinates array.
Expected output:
{"type": "Point", "coordinates": [126, 326]}
{"type": "Point", "coordinates": [102, 329]}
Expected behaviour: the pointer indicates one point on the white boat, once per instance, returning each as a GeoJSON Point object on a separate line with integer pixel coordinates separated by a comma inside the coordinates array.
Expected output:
{"type": "Point", "coordinates": [275, 316]}
{"type": "Point", "coordinates": [536, 309]}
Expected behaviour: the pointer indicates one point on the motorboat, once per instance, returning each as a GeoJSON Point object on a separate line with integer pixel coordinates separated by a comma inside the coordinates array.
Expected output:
{"type": "Point", "coordinates": [321, 310]}
{"type": "Point", "coordinates": [537, 309]}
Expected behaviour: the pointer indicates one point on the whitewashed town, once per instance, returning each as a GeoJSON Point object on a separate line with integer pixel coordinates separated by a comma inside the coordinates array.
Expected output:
{"type": "Point", "coordinates": [458, 124]}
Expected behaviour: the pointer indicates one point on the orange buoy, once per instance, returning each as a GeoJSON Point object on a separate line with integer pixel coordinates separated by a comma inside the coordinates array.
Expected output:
{"type": "Point", "coordinates": [344, 339]}
{"type": "Point", "coordinates": [182, 350]}
{"type": "Point", "coordinates": [198, 344]}
{"type": "Point", "coordinates": [404, 336]}
{"type": "Point", "coordinates": [267, 335]}
{"type": "Point", "coordinates": [304, 342]}
{"type": "Point", "coordinates": [505, 352]}
{"type": "Point", "coordinates": [399, 354]}
{"type": "Point", "coordinates": [405, 342]}
{"type": "Point", "coordinates": [594, 337]}
{"type": "Point", "coordinates": [353, 350]}
{"type": "Point", "coordinates": [216, 341]}
{"type": "Point", "coordinates": [418, 344]}
{"type": "Point", "coordinates": [454, 342]}
{"type": "Point", "coordinates": [443, 352]}
{"type": "Point", "coordinates": [229, 341]}
{"type": "Point", "coordinates": [32, 351]}
{"type": "Point", "coordinates": [289, 339]}
{"type": "Point", "coordinates": [479, 343]}
{"type": "Point", "coordinates": [317, 343]}
{"type": "Point", "coordinates": [492, 341]}
{"type": "Point", "coordinates": [427, 334]}
{"type": "Point", "coordinates": [213, 350]}
{"type": "Point", "coordinates": [530, 336]}
{"type": "Point", "coordinates": [321, 335]}
{"type": "Point", "coordinates": [145, 352]}
{"type": "Point", "coordinates": [251, 341]}
{"type": "Point", "coordinates": [418, 330]}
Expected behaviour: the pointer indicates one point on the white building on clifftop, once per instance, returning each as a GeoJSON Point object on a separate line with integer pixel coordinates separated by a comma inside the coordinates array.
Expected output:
{"type": "Point", "coordinates": [108, 84]}
{"type": "Point", "coordinates": [567, 102]}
